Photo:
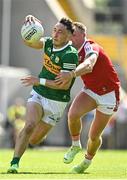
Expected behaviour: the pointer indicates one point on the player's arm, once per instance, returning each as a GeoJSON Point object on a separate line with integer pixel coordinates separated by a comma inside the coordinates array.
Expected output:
{"type": "Point", "coordinates": [34, 81]}
{"type": "Point", "coordinates": [64, 85]}
{"type": "Point", "coordinates": [91, 55]}
{"type": "Point", "coordinates": [54, 85]}
{"type": "Point", "coordinates": [69, 66]}
{"type": "Point", "coordinates": [85, 67]}
{"type": "Point", "coordinates": [38, 44]}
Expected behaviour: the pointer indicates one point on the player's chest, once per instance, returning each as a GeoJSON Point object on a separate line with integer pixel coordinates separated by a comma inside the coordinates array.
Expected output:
{"type": "Point", "coordinates": [53, 57]}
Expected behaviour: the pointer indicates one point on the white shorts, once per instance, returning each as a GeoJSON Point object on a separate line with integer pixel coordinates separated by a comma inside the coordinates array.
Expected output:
{"type": "Point", "coordinates": [53, 110]}
{"type": "Point", "coordinates": [106, 103]}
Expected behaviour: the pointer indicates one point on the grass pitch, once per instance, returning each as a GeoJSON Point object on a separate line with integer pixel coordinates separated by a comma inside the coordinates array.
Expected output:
{"type": "Point", "coordinates": [48, 164]}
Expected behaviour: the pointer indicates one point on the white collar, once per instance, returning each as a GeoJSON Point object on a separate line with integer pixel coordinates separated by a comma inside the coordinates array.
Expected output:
{"type": "Point", "coordinates": [69, 43]}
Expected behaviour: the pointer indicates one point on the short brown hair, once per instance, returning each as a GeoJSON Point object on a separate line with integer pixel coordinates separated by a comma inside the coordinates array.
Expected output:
{"type": "Point", "coordinates": [80, 26]}
{"type": "Point", "coordinates": [68, 23]}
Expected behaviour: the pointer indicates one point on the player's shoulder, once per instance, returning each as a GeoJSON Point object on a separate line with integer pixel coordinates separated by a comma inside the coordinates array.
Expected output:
{"type": "Point", "coordinates": [48, 43]}
{"type": "Point", "coordinates": [90, 45]}
{"type": "Point", "coordinates": [89, 42]}
{"type": "Point", "coordinates": [71, 49]}
{"type": "Point", "coordinates": [48, 40]}
{"type": "Point", "coordinates": [71, 54]}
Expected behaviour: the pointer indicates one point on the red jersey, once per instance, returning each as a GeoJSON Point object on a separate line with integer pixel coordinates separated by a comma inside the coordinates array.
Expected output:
{"type": "Point", "coordinates": [103, 79]}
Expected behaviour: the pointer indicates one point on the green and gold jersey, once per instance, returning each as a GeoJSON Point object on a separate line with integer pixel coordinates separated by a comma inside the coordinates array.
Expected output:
{"type": "Point", "coordinates": [54, 61]}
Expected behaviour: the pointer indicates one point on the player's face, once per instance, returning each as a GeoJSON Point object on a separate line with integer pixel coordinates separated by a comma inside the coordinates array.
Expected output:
{"type": "Point", "coordinates": [60, 35]}
{"type": "Point", "coordinates": [77, 38]}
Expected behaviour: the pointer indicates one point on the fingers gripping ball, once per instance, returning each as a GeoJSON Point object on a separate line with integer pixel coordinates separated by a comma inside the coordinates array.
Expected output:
{"type": "Point", "coordinates": [32, 32]}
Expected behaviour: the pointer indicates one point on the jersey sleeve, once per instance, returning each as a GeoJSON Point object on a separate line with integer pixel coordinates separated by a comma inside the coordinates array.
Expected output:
{"type": "Point", "coordinates": [69, 61]}
{"type": "Point", "coordinates": [91, 49]}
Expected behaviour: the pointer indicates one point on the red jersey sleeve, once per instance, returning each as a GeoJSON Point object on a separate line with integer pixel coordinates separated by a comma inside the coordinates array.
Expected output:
{"type": "Point", "coordinates": [91, 48]}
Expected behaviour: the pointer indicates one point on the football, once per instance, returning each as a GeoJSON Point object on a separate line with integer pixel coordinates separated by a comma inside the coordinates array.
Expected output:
{"type": "Point", "coordinates": [32, 32]}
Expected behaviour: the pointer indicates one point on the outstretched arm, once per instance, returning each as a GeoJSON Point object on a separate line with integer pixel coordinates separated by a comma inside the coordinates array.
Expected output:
{"type": "Point", "coordinates": [33, 81]}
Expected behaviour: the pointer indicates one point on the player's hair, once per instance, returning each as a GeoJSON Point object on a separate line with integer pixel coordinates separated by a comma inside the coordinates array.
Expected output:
{"type": "Point", "coordinates": [81, 27]}
{"type": "Point", "coordinates": [68, 23]}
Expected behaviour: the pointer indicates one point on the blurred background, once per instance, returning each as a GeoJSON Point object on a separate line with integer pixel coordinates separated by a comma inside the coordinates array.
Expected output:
{"type": "Point", "coordinates": [106, 22]}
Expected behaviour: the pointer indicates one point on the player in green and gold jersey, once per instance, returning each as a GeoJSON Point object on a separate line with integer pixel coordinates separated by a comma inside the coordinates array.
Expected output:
{"type": "Point", "coordinates": [48, 99]}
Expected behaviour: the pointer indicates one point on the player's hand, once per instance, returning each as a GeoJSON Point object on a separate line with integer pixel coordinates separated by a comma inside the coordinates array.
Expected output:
{"type": "Point", "coordinates": [31, 19]}
{"type": "Point", "coordinates": [63, 77]}
{"type": "Point", "coordinates": [63, 85]}
{"type": "Point", "coordinates": [30, 81]}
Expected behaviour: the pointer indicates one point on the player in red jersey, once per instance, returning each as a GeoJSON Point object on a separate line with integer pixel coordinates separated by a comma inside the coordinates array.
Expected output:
{"type": "Point", "coordinates": [100, 92]}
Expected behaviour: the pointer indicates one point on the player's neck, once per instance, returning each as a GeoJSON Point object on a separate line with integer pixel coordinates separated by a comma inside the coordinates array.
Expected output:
{"type": "Point", "coordinates": [58, 48]}
{"type": "Point", "coordinates": [62, 45]}
{"type": "Point", "coordinates": [81, 44]}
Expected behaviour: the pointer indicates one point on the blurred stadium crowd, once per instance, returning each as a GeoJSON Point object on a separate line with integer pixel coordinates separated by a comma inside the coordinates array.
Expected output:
{"type": "Point", "coordinates": [106, 21]}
